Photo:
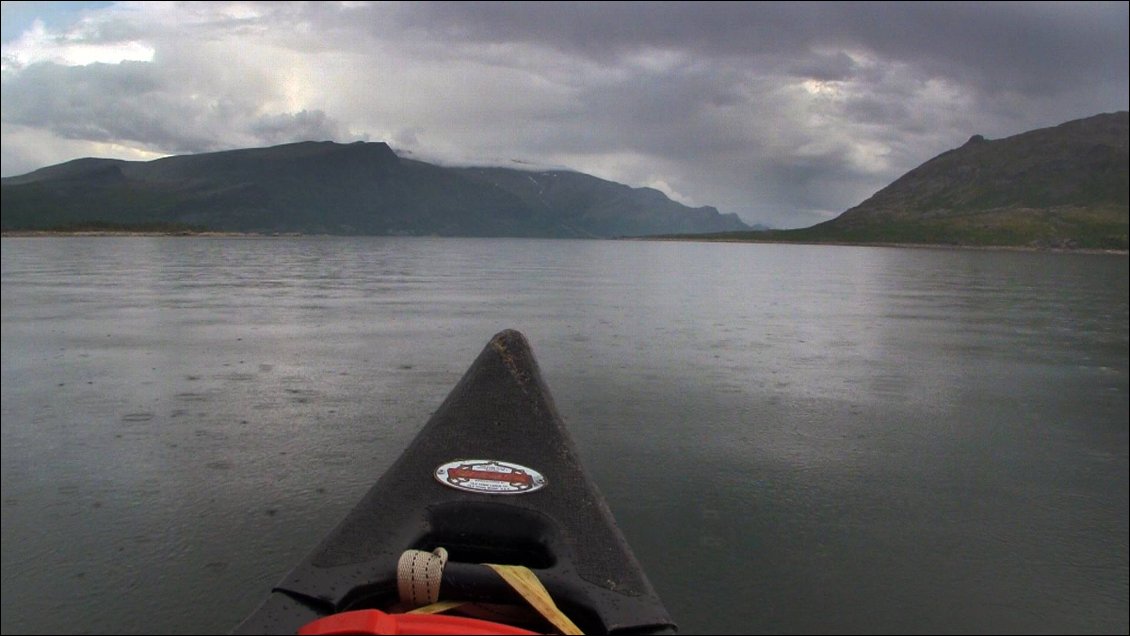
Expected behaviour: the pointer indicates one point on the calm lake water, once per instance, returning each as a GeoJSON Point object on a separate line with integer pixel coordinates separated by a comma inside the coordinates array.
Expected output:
{"type": "Point", "coordinates": [793, 438]}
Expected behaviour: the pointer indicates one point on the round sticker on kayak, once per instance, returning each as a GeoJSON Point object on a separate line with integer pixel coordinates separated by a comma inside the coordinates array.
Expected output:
{"type": "Point", "coordinates": [489, 476]}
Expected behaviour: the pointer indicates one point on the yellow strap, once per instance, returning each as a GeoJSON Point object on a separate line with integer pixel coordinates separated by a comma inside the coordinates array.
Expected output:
{"type": "Point", "coordinates": [526, 584]}
{"type": "Point", "coordinates": [436, 608]}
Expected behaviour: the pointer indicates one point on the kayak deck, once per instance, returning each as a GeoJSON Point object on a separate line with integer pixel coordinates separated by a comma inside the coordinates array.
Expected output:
{"type": "Point", "coordinates": [540, 510]}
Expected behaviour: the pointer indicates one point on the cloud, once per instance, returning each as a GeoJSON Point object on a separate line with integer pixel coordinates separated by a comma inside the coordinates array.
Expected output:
{"type": "Point", "coordinates": [786, 113]}
{"type": "Point", "coordinates": [1036, 46]}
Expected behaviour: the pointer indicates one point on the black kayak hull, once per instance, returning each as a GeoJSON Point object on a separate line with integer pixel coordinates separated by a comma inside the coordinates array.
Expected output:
{"type": "Point", "coordinates": [564, 531]}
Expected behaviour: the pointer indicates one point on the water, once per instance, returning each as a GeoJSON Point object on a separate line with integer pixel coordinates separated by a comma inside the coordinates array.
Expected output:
{"type": "Point", "coordinates": [793, 439]}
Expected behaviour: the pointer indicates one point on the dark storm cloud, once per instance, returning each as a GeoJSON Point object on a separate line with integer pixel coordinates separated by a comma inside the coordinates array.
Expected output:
{"type": "Point", "coordinates": [1034, 47]}
{"type": "Point", "coordinates": [663, 113]}
{"type": "Point", "coordinates": [826, 67]}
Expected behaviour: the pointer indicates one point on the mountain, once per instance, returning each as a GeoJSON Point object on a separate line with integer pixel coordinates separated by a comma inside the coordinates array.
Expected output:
{"type": "Point", "coordinates": [1064, 186]}
{"type": "Point", "coordinates": [581, 202]}
{"type": "Point", "coordinates": [1061, 186]}
{"type": "Point", "coordinates": [331, 188]}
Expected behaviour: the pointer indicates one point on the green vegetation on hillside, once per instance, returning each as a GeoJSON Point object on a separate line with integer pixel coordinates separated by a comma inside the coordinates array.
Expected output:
{"type": "Point", "coordinates": [1061, 187]}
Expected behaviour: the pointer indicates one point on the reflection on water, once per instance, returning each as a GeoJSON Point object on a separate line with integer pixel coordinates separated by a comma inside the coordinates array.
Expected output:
{"type": "Point", "coordinates": [793, 438]}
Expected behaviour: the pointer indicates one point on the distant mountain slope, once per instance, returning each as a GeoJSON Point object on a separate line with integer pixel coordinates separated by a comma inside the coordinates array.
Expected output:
{"type": "Point", "coordinates": [582, 201]}
{"type": "Point", "coordinates": [330, 188]}
{"type": "Point", "coordinates": [1065, 186]}
{"type": "Point", "coordinates": [1067, 183]}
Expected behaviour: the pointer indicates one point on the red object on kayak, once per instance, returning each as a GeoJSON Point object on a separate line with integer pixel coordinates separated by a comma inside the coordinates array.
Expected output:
{"type": "Point", "coordinates": [377, 622]}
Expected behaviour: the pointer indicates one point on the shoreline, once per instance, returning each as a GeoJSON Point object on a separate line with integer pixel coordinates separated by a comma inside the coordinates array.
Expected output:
{"type": "Point", "coordinates": [140, 233]}
{"type": "Point", "coordinates": [687, 239]}
{"type": "Point", "coordinates": [926, 246]}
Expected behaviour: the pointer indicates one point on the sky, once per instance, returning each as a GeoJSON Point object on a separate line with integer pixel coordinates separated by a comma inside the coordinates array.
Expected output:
{"type": "Point", "coordinates": [787, 114]}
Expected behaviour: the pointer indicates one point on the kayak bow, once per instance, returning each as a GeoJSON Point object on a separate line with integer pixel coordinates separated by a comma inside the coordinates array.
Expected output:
{"type": "Point", "coordinates": [492, 478]}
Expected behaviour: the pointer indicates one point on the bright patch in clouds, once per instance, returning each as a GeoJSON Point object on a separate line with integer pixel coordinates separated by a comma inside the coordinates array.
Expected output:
{"type": "Point", "coordinates": [821, 88]}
